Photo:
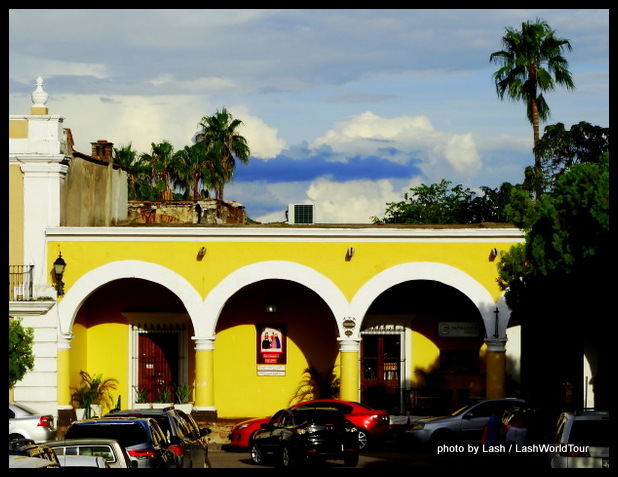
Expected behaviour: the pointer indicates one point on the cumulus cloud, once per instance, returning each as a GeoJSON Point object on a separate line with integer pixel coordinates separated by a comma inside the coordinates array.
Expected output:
{"type": "Point", "coordinates": [400, 138]}
{"type": "Point", "coordinates": [353, 201]}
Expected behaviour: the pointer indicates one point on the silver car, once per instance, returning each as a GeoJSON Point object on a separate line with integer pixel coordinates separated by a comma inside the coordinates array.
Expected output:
{"type": "Point", "coordinates": [111, 450]}
{"type": "Point", "coordinates": [27, 423]}
{"type": "Point", "coordinates": [582, 440]}
{"type": "Point", "coordinates": [466, 424]}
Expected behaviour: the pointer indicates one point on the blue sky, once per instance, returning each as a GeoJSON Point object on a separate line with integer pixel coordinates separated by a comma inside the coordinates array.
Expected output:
{"type": "Point", "coordinates": [345, 109]}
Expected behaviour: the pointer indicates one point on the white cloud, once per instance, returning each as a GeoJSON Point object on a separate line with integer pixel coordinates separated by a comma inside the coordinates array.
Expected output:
{"type": "Point", "coordinates": [405, 137]}
{"type": "Point", "coordinates": [263, 140]}
{"type": "Point", "coordinates": [350, 202]}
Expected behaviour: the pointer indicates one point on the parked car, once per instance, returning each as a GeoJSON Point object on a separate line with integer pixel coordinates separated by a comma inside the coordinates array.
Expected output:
{"type": "Point", "coordinates": [26, 462]}
{"type": "Point", "coordinates": [582, 440]}
{"type": "Point", "coordinates": [143, 439]}
{"type": "Point", "coordinates": [28, 448]}
{"type": "Point", "coordinates": [94, 461]}
{"type": "Point", "coordinates": [27, 423]}
{"type": "Point", "coordinates": [295, 436]}
{"type": "Point", "coordinates": [186, 439]}
{"type": "Point", "coordinates": [373, 424]}
{"type": "Point", "coordinates": [111, 450]}
{"type": "Point", "coordinates": [465, 424]}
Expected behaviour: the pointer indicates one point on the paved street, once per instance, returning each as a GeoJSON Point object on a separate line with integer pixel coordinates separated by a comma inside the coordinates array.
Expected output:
{"type": "Point", "coordinates": [395, 456]}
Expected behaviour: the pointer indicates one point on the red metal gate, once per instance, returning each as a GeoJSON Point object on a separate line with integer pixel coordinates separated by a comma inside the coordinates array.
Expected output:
{"type": "Point", "coordinates": [158, 363]}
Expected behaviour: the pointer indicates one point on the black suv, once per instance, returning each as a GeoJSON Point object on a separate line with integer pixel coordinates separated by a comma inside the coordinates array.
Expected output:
{"type": "Point", "coordinates": [143, 439]}
{"type": "Point", "coordinates": [185, 438]}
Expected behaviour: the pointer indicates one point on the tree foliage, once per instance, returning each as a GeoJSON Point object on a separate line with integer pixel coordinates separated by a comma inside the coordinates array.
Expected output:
{"type": "Point", "coordinates": [567, 237]}
{"type": "Point", "coordinates": [191, 172]}
{"type": "Point", "coordinates": [21, 359]}
{"type": "Point", "coordinates": [442, 204]}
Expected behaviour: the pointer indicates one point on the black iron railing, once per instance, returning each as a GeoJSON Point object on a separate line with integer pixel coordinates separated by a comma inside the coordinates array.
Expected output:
{"type": "Point", "coordinates": [20, 282]}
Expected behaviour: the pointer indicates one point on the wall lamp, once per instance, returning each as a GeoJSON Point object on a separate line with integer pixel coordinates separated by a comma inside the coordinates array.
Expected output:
{"type": "Point", "coordinates": [59, 266]}
{"type": "Point", "coordinates": [201, 252]}
{"type": "Point", "coordinates": [349, 253]}
{"type": "Point", "coordinates": [493, 254]}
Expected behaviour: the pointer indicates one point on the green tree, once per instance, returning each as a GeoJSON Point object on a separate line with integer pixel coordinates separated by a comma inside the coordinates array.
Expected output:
{"type": "Point", "coordinates": [556, 283]}
{"type": "Point", "coordinates": [21, 359]}
{"type": "Point", "coordinates": [196, 170]}
{"type": "Point", "coordinates": [532, 63]}
{"type": "Point", "coordinates": [127, 157]}
{"type": "Point", "coordinates": [157, 168]}
{"type": "Point", "coordinates": [442, 204]}
{"type": "Point", "coordinates": [221, 137]}
{"type": "Point", "coordinates": [560, 148]}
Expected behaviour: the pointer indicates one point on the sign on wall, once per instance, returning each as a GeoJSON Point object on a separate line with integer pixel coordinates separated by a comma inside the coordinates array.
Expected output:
{"type": "Point", "coordinates": [457, 329]}
{"type": "Point", "coordinates": [271, 348]}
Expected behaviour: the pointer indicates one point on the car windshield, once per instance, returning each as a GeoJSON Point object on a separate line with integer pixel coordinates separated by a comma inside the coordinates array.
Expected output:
{"type": "Point", "coordinates": [128, 433]}
{"type": "Point", "coordinates": [461, 410]}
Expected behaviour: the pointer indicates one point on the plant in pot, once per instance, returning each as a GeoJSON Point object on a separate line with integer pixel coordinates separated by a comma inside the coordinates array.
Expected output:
{"type": "Point", "coordinates": [92, 394]}
{"type": "Point", "coordinates": [142, 397]}
{"type": "Point", "coordinates": [164, 398]}
{"type": "Point", "coordinates": [184, 392]}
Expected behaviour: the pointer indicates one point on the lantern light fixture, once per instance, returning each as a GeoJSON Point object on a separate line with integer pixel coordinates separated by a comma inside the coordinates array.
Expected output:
{"type": "Point", "coordinates": [59, 267]}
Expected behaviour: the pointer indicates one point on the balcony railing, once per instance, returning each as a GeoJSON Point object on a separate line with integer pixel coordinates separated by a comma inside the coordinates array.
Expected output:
{"type": "Point", "coordinates": [20, 283]}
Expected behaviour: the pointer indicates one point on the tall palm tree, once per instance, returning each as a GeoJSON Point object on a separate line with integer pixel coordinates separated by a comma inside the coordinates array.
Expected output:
{"type": "Point", "coordinates": [532, 63]}
{"type": "Point", "coordinates": [221, 138]}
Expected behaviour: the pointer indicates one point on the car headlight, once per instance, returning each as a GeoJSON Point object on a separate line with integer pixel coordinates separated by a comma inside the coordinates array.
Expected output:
{"type": "Point", "coordinates": [417, 426]}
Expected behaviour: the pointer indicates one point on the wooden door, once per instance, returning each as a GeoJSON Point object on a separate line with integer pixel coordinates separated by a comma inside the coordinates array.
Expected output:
{"type": "Point", "coordinates": [380, 361]}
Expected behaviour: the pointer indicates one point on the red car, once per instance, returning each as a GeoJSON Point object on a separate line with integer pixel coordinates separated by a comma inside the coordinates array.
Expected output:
{"type": "Point", "coordinates": [373, 424]}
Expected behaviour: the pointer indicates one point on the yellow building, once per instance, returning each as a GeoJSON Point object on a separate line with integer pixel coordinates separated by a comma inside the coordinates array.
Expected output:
{"type": "Point", "coordinates": [406, 318]}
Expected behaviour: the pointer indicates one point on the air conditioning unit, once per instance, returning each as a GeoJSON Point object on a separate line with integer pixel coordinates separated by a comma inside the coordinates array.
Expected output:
{"type": "Point", "coordinates": [301, 214]}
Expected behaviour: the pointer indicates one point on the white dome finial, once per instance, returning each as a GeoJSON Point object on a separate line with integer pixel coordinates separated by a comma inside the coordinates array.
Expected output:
{"type": "Point", "coordinates": [39, 97]}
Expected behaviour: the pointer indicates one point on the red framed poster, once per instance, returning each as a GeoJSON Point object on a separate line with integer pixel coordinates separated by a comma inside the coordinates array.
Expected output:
{"type": "Point", "coordinates": [271, 344]}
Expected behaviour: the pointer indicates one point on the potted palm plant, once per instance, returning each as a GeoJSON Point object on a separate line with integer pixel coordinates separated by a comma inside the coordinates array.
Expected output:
{"type": "Point", "coordinates": [184, 393]}
{"type": "Point", "coordinates": [164, 398]}
{"type": "Point", "coordinates": [142, 397]}
{"type": "Point", "coordinates": [92, 394]}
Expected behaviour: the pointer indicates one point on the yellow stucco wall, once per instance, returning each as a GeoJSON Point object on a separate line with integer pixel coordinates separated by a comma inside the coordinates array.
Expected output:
{"type": "Point", "coordinates": [16, 215]}
{"type": "Point", "coordinates": [326, 258]}
{"type": "Point", "coordinates": [104, 348]}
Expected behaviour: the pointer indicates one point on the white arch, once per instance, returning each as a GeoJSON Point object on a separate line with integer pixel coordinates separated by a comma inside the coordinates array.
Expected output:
{"type": "Point", "coordinates": [439, 272]}
{"type": "Point", "coordinates": [274, 269]}
{"type": "Point", "coordinates": [99, 276]}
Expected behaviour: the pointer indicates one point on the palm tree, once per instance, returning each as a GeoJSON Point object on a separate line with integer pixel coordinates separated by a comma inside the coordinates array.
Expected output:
{"type": "Point", "coordinates": [221, 138]}
{"type": "Point", "coordinates": [532, 63]}
{"type": "Point", "coordinates": [195, 167]}
{"type": "Point", "coordinates": [160, 168]}
{"type": "Point", "coordinates": [127, 157]}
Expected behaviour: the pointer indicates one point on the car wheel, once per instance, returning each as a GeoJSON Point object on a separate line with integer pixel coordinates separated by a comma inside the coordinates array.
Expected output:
{"type": "Point", "coordinates": [350, 459]}
{"type": "Point", "coordinates": [363, 439]}
{"type": "Point", "coordinates": [256, 454]}
{"type": "Point", "coordinates": [287, 459]}
{"type": "Point", "coordinates": [442, 436]}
